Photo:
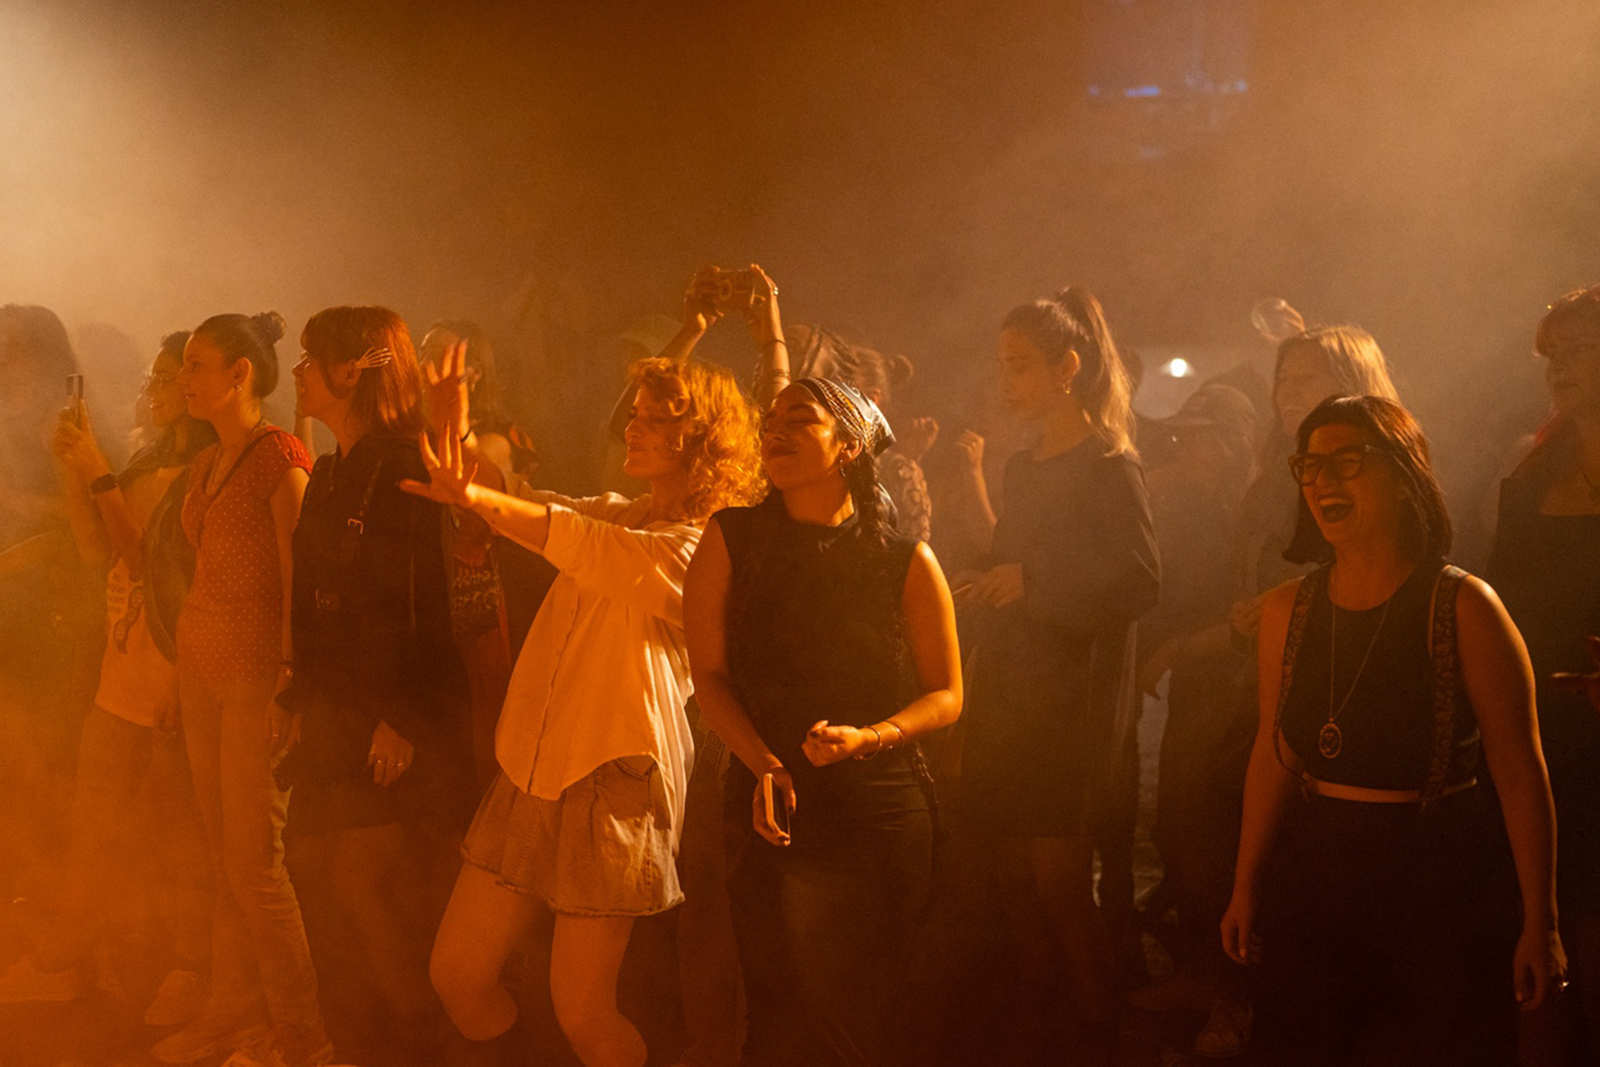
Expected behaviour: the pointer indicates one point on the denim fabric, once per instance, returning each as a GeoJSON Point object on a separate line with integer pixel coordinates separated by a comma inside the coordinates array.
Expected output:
{"type": "Point", "coordinates": [258, 944]}
{"type": "Point", "coordinates": [602, 848]}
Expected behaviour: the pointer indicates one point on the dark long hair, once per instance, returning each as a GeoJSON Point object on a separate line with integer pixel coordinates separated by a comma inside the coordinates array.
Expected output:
{"type": "Point", "coordinates": [163, 451]}
{"type": "Point", "coordinates": [1425, 531]}
{"type": "Point", "coordinates": [252, 337]}
{"type": "Point", "coordinates": [1073, 321]}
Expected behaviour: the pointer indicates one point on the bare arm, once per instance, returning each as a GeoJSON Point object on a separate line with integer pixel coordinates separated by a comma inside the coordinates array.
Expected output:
{"type": "Point", "coordinates": [1499, 683]}
{"type": "Point", "coordinates": [285, 505]}
{"type": "Point", "coordinates": [766, 330]}
{"type": "Point", "coordinates": [1268, 786]}
{"type": "Point", "coordinates": [451, 480]}
{"type": "Point", "coordinates": [930, 625]}
{"type": "Point", "coordinates": [705, 611]}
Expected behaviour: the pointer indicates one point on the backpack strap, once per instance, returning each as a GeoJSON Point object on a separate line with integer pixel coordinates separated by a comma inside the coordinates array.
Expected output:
{"type": "Point", "coordinates": [1312, 586]}
{"type": "Point", "coordinates": [1446, 679]}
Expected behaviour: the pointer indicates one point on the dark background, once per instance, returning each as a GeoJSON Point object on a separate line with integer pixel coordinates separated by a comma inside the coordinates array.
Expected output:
{"type": "Point", "coordinates": [907, 170]}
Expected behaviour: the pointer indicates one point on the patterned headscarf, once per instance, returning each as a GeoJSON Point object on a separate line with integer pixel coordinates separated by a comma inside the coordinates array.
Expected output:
{"type": "Point", "coordinates": [859, 417]}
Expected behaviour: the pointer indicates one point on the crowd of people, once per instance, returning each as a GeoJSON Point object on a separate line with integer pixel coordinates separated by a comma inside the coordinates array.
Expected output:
{"type": "Point", "coordinates": [820, 703]}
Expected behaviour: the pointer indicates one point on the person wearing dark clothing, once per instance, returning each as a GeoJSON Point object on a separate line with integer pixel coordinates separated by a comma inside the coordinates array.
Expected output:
{"type": "Point", "coordinates": [805, 615]}
{"type": "Point", "coordinates": [1374, 885]}
{"type": "Point", "coordinates": [1546, 563]}
{"type": "Point", "coordinates": [382, 747]}
{"type": "Point", "coordinates": [1074, 564]}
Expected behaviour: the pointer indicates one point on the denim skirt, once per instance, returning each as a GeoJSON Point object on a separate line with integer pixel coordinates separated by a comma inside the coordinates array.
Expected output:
{"type": "Point", "coordinates": [604, 847]}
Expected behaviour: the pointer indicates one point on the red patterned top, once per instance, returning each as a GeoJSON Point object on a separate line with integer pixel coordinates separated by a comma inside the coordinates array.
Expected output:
{"type": "Point", "coordinates": [231, 625]}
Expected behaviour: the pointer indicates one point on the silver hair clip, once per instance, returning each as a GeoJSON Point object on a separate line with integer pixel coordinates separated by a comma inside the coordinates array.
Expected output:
{"type": "Point", "coordinates": [374, 357]}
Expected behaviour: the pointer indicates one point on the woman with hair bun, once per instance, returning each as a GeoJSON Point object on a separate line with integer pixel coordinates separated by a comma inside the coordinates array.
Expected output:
{"type": "Point", "coordinates": [1073, 565]}
{"type": "Point", "coordinates": [235, 650]}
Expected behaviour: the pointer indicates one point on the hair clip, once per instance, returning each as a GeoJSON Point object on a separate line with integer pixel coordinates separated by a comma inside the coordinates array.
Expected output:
{"type": "Point", "coordinates": [374, 357]}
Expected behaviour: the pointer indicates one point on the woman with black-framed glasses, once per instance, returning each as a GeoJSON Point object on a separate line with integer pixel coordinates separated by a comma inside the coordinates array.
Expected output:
{"type": "Point", "coordinates": [1374, 885]}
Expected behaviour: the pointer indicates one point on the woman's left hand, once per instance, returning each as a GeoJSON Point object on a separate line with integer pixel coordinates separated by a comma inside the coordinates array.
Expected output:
{"type": "Point", "coordinates": [826, 744]}
{"type": "Point", "coordinates": [449, 477]}
{"type": "Point", "coordinates": [1539, 968]}
{"type": "Point", "coordinates": [1000, 586]}
{"type": "Point", "coordinates": [389, 756]}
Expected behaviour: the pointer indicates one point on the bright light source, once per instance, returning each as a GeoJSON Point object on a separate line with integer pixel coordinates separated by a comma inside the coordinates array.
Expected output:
{"type": "Point", "coordinates": [1178, 368]}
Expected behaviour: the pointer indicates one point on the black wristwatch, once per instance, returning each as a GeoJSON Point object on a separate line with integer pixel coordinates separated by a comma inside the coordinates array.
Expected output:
{"type": "Point", "coordinates": [103, 484]}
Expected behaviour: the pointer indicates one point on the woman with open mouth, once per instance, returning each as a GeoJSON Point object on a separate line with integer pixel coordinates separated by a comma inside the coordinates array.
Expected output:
{"type": "Point", "coordinates": [1378, 876]}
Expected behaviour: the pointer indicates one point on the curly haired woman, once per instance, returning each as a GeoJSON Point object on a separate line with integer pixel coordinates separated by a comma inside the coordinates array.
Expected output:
{"type": "Point", "coordinates": [593, 743]}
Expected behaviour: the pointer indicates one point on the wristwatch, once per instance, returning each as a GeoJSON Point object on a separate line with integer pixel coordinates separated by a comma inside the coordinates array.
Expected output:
{"type": "Point", "coordinates": [103, 484]}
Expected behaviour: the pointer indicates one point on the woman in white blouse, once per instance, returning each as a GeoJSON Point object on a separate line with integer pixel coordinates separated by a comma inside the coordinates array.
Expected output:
{"type": "Point", "coordinates": [593, 744]}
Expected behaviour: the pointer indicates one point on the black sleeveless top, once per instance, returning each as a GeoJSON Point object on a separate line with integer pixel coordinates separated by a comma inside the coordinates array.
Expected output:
{"type": "Point", "coordinates": [814, 632]}
{"type": "Point", "coordinates": [1386, 730]}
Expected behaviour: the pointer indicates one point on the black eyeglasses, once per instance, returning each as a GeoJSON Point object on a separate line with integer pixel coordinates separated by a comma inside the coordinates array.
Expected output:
{"type": "Point", "coordinates": [1343, 463]}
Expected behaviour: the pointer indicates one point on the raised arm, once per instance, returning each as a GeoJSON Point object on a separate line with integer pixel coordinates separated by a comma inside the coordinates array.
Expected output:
{"type": "Point", "coordinates": [929, 617]}
{"type": "Point", "coordinates": [1268, 785]}
{"type": "Point", "coordinates": [1499, 683]}
{"type": "Point", "coordinates": [766, 330]}
{"type": "Point", "coordinates": [102, 525]}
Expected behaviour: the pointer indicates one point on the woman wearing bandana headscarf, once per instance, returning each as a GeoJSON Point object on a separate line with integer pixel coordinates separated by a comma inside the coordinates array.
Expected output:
{"type": "Point", "coordinates": [822, 645]}
{"type": "Point", "coordinates": [1073, 564]}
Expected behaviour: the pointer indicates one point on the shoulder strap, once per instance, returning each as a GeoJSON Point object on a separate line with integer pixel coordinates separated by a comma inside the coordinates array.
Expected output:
{"type": "Point", "coordinates": [1311, 587]}
{"type": "Point", "coordinates": [1446, 676]}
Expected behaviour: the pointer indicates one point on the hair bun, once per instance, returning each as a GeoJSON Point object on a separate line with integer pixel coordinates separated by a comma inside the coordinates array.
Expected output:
{"type": "Point", "coordinates": [270, 325]}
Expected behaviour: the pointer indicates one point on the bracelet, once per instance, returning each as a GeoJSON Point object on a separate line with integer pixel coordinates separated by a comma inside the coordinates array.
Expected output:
{"type": "Point", "coordinates": [876, 748]}
{"type": "Point", "coordinates": [897, 729]}
{"type": "Point", "coordinates": [103, 484]}
{"type": "Point", "coordinates": [775, 341]}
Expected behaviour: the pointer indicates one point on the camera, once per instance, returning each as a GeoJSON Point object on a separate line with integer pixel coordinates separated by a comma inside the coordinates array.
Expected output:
{"type": "Point", "coordinates": [727, 290]}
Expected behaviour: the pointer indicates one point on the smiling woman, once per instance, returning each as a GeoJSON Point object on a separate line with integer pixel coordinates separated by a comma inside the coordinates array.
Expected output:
{"type": "Point", "coordinates": [1374, 884]}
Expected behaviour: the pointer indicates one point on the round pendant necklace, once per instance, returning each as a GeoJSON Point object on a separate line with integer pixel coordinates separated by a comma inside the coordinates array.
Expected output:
{"type": "Point", "coordinates": [1330, 741]}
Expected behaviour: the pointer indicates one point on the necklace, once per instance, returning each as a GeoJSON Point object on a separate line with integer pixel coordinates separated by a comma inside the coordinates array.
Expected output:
{"type": "Point", "coordinates": [1330, 741]}
{"type": "Point", "coordinates": [216, 464]}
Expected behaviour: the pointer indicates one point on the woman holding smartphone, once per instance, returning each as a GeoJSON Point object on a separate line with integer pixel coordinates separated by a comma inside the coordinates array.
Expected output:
{"type": "Point", "coordinates": [804, 615]}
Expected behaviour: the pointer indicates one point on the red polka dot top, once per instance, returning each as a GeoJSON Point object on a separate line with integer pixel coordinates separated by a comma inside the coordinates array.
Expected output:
{"type": "Point", "coordinates": [231, 625]}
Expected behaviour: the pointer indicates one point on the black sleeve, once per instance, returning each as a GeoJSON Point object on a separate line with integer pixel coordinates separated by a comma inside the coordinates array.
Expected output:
{"type": "Point", "coordinates": [410, 659]}
{"type": "Point", "coordinates": [1099, 563]}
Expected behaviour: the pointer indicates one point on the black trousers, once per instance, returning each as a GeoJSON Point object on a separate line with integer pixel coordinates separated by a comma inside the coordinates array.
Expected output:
{"type": "Point", "coordinates": [824, 928]}
{"type": "Point", "coordinates": [1387, 937]}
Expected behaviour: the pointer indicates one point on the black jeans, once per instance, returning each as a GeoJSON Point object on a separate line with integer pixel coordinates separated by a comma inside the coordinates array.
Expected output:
{"type": "Point", "coordinates": [824, 928]}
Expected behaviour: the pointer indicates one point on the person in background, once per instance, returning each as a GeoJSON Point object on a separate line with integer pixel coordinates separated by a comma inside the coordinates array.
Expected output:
{"type": "Point", "coordinates": [1074, 564]}
{"type": "Point", "coordinates": [51, 614]}
{"type": "Point", "coordinates": [593, 744]}
{"type": "Point", "coordinates": [1194, 502]}
{"type": "Point", "coordinates": [496, 585]}
{"type": "Point", "coordinates": [129, 740]}
{"type": "Point", "coordinates": [235, 656]}
{"type": "Point", "coordinates": [804, 614]}
{"type": "Point", "coordinates": [1546, 564]}
{"type": "Point", "coordinates": [1374, 884]}
{"type": "Point", "coordinates": [382, 777]}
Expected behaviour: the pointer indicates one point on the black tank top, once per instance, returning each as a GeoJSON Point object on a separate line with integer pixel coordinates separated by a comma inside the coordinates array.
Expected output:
{"type": "Point", "coordinates": [1386, 730]}
{"type": "Point", "coordinates": [814, 632]}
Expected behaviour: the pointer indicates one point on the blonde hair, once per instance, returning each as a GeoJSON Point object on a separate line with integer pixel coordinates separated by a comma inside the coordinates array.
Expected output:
{"type": "Point", "coordinates": [1350, 354]}
{"type": "Point", "coordinates": [717, 426]}
{"type": "Point", "coordinates": [1074, 322]}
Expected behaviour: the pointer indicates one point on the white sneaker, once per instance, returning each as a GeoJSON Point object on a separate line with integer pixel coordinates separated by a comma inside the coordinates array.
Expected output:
{"type": "Point", "coordinates": [204, 1038]}
{"type": "Point", "coordinates": [182, 996]}
{"type": "Point", "coordinates": [23, 983]}
{"type": "Point", "coordinates": [1227, 1030]}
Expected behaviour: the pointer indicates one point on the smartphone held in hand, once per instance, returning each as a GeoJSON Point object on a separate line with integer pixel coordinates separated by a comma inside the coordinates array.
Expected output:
{"type": "Point", "coordinates": [777, 804]}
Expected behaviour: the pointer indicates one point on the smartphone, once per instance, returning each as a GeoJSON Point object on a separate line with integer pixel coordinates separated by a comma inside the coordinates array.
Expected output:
{"type": "Point", "coordinates": [776, 802]}
{"type": "Point", "coordinates": [75, 397]}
